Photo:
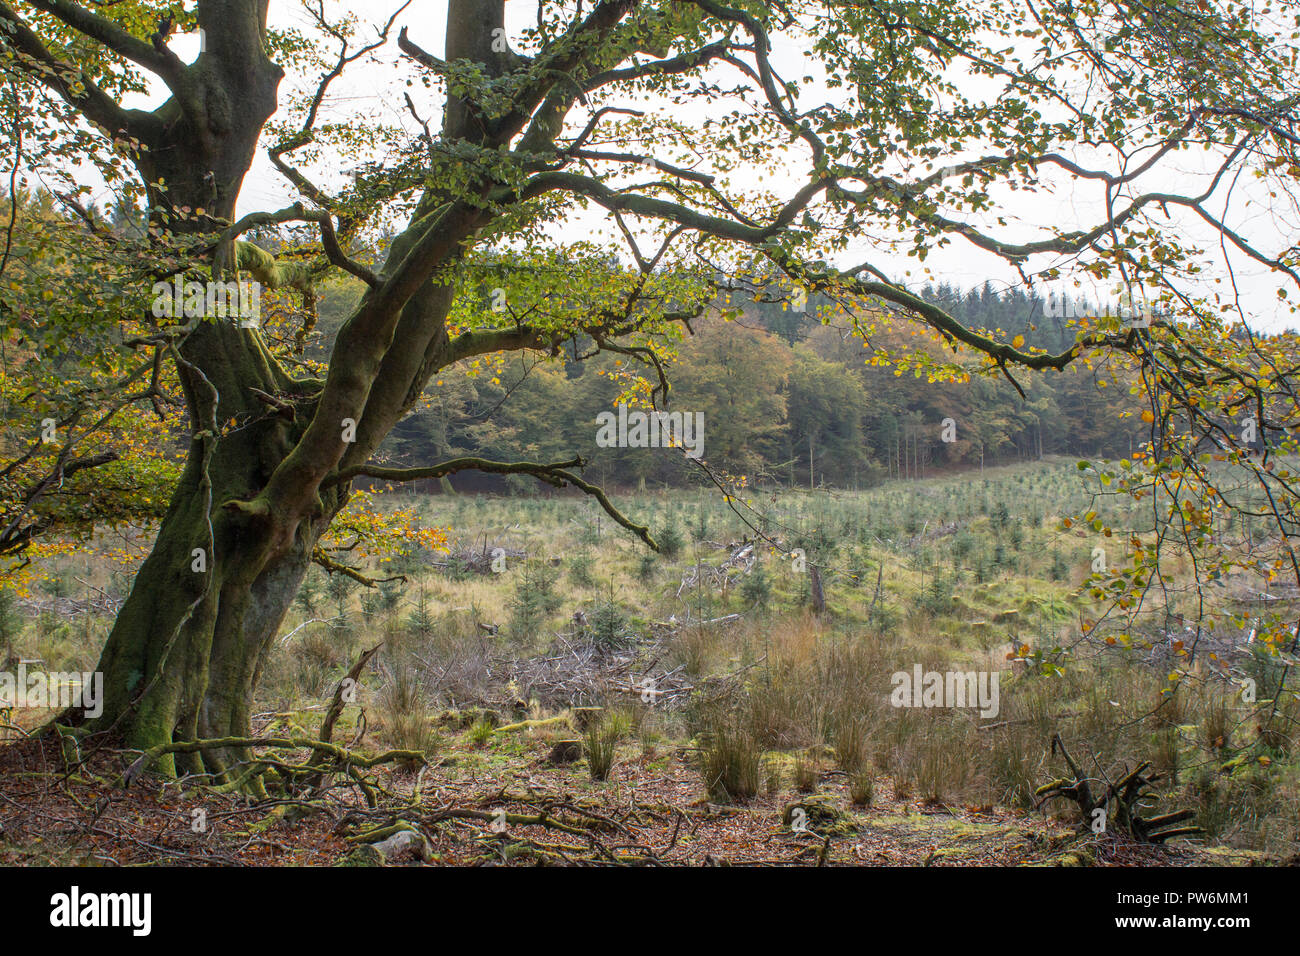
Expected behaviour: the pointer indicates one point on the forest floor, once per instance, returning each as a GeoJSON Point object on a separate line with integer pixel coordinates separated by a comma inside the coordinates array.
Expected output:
{"type": "Point", "coordinates": [650, 811]}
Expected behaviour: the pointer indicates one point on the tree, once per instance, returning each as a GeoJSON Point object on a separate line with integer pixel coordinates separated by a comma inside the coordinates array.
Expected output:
{"type": "Point", "coordinates": [736, 383]}
{"type": "Point", "coordinates": [601, 106]}
{"type": "Point", "coordinates": [825, 404]}
{"type": "Point", "coordinates": [63, 391]}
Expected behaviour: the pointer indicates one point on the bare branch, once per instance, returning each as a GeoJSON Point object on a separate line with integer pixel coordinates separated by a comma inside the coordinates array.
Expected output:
{"type": "Point", "coordinates": [556, 474]}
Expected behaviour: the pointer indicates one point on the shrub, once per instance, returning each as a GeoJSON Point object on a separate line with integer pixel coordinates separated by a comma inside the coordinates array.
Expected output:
{"type": "Point", "coordinates": [420, 622]}
{"type": "Point", "coordinates": [757, 590]}
{"type": "Point", "coordinates": [609, 624]}
{"type": "Point", "coordinates": [646, 568]}
{"type": "Point", "coordinates": [772, 778]}
{"type": "Point", "coordinates": [403, 717]}
{"type": "Point", "coordinates": [308, 593]}
{"type": "Point", "coordinates": [1059, 570]}
{"type": "Point", "coordinates": [807, 770]}
{"type": "Point", "coordinates": [670, 541]}
{"type": "Point", "coordinates": [580, 570]}
{"type": "Point", "coordinates": [338, 588]}
{"type": "Point", "coordinates": [942, 763]}
{"type": "Point", "coordinates": [535, 599]}
{"type": "Point", "coordinates": [851, 743]}
{"type": "Point", "coordinates": [693, 647]}
{"type": "Point", "coordinates": [936, 599]}
{"type": "Point", "coordinates": [862, 787]}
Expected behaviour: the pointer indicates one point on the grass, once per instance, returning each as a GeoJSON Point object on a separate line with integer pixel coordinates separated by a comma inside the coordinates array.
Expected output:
{"type": "Point", "coordinates": [481, 732]}
{"type": "Point", "coordinates": [731, 760]}
{"type": "Point", "coordinates": [949, 573]}
{"type": "Point", "coordinates": [862, 787]}
{"type": "Point", "coordinates": [601, 743]}
{"type": "Point", "coordinates": [403, 715]}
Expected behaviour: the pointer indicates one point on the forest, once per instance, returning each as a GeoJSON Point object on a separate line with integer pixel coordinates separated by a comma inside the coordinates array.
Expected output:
{"type": "Point", "coordinates": [811, 410]}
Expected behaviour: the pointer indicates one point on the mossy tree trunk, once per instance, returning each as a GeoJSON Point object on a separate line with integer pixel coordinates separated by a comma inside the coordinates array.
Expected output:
{"type": "Point", "coordinates": [189, 645]}
{"type": "Point", "coordinates": [271, 457]}
{"type": "Point", "coordinates": [190, 641]}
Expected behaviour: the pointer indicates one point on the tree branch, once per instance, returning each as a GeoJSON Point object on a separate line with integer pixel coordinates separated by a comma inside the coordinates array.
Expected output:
{"type": "Point", "coordinates": [556, 474]}
{"type": "Point", "coordinates": [157, 58]}
{"type": "Point", "coordinates": [70, 83]}
{"type": "Point", "coordinates": [299, 213]}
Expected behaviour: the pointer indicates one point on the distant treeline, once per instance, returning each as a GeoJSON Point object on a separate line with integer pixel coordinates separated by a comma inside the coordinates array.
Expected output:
{"type": "Point", "coordinates": [786, 399]}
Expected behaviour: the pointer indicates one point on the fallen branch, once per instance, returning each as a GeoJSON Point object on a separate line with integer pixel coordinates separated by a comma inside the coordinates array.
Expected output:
{"type": "Point", "coordinates": [1121, 802]}
{"type": "Point", "coordinates": [345, 760]}
{"type": "Point", "coordinates": [530, 724]}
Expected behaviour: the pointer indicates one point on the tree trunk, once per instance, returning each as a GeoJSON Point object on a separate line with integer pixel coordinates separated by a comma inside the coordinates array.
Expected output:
{"type": "Point", "coordinates": [816, 596]}
{"type": "Point", "coordinates": [189, 645]}
{"type": "Point", "coordinates": [191, 639]}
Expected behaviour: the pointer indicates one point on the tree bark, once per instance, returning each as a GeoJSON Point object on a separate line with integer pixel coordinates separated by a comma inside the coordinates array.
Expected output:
{"type": "Point", "coordinates": [191, 639]}
{"type": "Point", "coordinates": [189, 643]}
{"type": "Point", "coordinates": [816, 595]}
{"type": "Point", "coordinates": [188, 647]}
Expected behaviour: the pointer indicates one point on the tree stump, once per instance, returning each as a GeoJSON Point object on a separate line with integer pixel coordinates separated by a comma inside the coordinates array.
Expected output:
{"type": "Point", "coordinates": [816, 595]}
{"type": "Point", "coordinates": [565, 751]}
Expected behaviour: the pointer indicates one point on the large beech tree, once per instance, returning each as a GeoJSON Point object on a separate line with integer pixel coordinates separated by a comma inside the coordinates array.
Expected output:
{"type": "Point", "coordinates": [717, 142]}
